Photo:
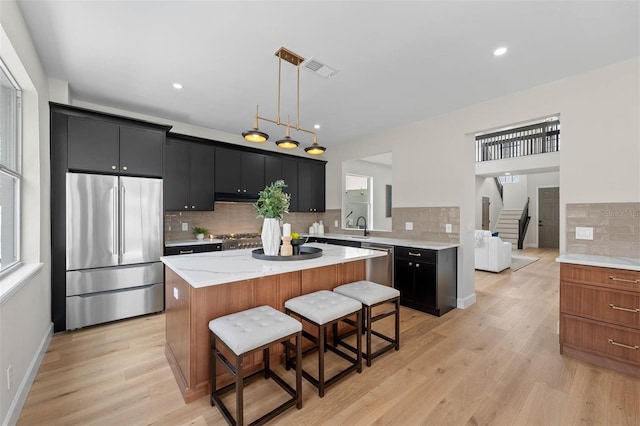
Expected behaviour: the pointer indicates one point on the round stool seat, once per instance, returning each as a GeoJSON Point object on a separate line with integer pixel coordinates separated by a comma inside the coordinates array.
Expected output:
{"type": "Point", "coordinates": [253, 328]}
{"type": "Point", "coordinates": [367, 292]}
{"type": "Point", "coordinates": [323, 306]}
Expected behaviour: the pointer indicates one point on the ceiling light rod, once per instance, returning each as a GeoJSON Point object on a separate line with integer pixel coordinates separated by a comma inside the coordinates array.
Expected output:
{"type": "Point", "coordinates": [255, 135]}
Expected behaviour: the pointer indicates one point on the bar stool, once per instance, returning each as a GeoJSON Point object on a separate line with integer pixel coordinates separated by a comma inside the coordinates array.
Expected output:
{"type": "Point", "coordinates": [245, 333]}
{"type": "Point", "coordinates": [322, 309]}
{"type": "Point", "coordinates": [371, 295]}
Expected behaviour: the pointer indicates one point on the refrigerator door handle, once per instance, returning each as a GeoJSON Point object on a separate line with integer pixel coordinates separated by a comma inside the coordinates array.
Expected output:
{"type": "Point", "coordinates": [122, 218]}
{"type": "Point", "coordinates": [115, 220]}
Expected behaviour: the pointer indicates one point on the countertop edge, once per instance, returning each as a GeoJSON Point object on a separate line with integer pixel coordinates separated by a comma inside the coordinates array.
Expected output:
{"type": "Point", "coordinates": [600, 261]}
{"type": "Point", "coordinates": [396, 242]}
{"type": "Point", "coordinates": [281, 267]}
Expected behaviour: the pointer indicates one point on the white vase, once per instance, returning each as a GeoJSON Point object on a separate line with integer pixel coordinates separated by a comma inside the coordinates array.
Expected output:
{"type": "Point", "coordinates": [271, 236]}
{"type": "Point", "coordinates": [200, 236]}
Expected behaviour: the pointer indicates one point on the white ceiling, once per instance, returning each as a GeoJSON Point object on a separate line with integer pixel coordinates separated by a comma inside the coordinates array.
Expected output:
{"type": "Point", "coordinates": [398, 61]}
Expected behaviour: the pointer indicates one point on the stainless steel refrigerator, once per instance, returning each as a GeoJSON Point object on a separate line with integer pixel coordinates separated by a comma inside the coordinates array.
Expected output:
{"type": "Point", "coordinates": [114, 244]}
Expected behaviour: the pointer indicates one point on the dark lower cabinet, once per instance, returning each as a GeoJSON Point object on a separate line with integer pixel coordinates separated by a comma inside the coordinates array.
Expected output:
{"type": "Point", "coordinates": [426, 279]}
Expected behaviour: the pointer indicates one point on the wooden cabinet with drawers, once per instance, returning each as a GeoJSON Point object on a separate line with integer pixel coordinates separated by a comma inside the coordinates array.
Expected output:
{"type": "Point", "coordinates": [600, 316]}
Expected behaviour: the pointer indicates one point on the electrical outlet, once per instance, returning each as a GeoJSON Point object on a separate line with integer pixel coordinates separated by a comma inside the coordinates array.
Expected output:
{"type": "Point", "coordinates": [408, 226]}
{"type": "Point", "coordinates": [447, 228]}
{"type": "Point", "coordinates": [335, 223]}
{"type": "Point", "coordinates": [9, 377]}
{"type": "Point", "coordinates": [175, 293]}
{"type": "Point", "coordinates": [185, 226]}
{"type": "Point", "coordinates": [584, 233]}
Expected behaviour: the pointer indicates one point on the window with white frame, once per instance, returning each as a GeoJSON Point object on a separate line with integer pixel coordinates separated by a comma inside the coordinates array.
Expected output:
{"type": "Point", "coordinates": [10, 162]}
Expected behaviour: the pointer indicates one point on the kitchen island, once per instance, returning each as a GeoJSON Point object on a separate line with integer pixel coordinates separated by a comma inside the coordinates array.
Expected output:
{"type": "Point", "coordinates": [203, 286]}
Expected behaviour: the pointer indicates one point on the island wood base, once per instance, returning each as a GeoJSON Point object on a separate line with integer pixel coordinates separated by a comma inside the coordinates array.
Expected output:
{"type": "Point", "coordinates": [187, 330]}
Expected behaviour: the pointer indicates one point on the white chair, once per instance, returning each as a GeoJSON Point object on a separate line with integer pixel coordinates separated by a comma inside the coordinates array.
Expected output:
{"type": "Point", "coordinates": [491, 253]}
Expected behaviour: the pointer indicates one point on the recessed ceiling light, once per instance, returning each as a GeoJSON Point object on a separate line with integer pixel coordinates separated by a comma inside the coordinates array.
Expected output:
{"type": "Point", "coordinates": [317, 126]}
{"type": "Point", "coordinates": [177, 86]}
{"type": "Point", "coordinates": [507, 173]}
{"type": "Point", "coordinates": [500, 51]}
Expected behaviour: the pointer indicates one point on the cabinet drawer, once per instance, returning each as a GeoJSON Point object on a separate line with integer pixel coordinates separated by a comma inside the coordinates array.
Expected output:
{"type": "Point", "coordinates": [196, 248]}
{"type": "Point", "coordinates": [612, 306]}
{"type": "Point", "coordinates": [622, 279]}
{"type": "Point", "coordinates": [619, 343]}
{"type": "Point", "coordinates": [416, 254]}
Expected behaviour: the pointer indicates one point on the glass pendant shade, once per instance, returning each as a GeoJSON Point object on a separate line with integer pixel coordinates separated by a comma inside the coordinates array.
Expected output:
{"type": "Point", "coordinates": [255, 135]}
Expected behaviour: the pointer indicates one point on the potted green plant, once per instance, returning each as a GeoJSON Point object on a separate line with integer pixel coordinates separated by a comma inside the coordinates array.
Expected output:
{"type": "Point", "coordinates": [199, 232]}
{"type": "Point", "coordinates": [271, 206]}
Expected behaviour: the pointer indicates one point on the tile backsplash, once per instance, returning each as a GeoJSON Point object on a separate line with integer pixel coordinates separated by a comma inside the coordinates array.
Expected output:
{"type": "Point", "coordinates": [428, 222]}
{"type": "Point", "coordinates": [616, 229]}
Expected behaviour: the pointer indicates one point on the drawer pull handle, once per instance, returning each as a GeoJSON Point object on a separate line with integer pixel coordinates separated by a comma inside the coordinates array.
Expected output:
{"type": "Point", "coordinates": [415, 254]}
{"type": "Point", "coordinates": [624, 280]}
{"type": "Point", "coordinates": [618, 308]}
{"type": "Point", "coordinates": [186, 251]}
{"type": "Point", "coordinates": [635, 348]}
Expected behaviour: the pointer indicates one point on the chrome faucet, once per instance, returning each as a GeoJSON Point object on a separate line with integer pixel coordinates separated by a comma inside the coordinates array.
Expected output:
{"type": "Point", "coordinates": [366, 232]}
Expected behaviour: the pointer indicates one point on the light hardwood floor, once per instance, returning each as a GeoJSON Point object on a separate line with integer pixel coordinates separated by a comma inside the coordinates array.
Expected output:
{"type": "Point", "coordinates": [496, 362]}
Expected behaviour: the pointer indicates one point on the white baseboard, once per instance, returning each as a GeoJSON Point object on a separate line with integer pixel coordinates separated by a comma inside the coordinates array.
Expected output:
{"type": "Point", "coordinates": [466, 302]}
{"type": "Point", "coordinates": [25, 386]}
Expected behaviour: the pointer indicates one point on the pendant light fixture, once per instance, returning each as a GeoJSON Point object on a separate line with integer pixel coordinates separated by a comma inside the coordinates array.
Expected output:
{"type": "Point", "coordinates": [256, 135]}
{"type": "Point", "coordinates": [287, 142]}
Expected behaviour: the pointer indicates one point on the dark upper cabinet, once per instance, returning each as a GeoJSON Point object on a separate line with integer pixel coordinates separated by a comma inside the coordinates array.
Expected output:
{"type": "Point", "coordinates": [99, 145]}
{"type": "Point", "coordinates": [287, 170]}
{"type": "Point", "coordinates": [311, 186]}
{"type": "Point", "coordinates": [239, 172]}
{"type": "Point", "coordinates": [188, 175]}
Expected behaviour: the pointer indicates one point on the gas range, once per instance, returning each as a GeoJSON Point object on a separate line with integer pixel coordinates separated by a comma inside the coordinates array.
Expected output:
{"type": "Point", "coordinates": [239, 241]}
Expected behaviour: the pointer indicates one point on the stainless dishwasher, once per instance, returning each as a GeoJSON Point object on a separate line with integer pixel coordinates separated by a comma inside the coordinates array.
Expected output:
{"type": "Point", "coordinates": [380, 269]}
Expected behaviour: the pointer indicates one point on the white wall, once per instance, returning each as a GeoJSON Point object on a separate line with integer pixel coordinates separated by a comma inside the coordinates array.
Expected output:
{"type": "Point", "coordinates": [600, 112]}
{"type": "Point", "coordinates": [515, 193]}
{"type": "Point", "coordinates": [25, 314]}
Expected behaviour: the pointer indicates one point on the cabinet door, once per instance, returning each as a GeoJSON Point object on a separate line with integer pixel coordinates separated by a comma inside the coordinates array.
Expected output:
{"type": "Point", "coordinates": [227, 170]}
{"type": "Point", "coordinates": [403, 280]}
{"type": "Point", "coordinates": [290, 176]}
{"type": "Point", "coordinates": [318, 187]}
{"type": "Point", "coordinates": [92, 145]}
{"type": "Point", "coordinates": [252, 176]}
{"type": "Point", "coordinates": [425, 287]}
{"type": "Point", "coordinates": [272, 169]}
{"type": "Point", "coordinates": [141, 151]}
{"type": "Point", "coordinates": [176, 175]}
{"type": "Point", "coordinates": [311, 187]}
{"type": "Point", "coordinates": [304, 187]}
{"type": "Point", "coordinates": [201, 177]}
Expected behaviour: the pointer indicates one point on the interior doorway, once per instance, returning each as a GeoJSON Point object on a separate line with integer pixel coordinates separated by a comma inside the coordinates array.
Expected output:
{"type": "Point", "coordinates": [549, 217]}
{"type": "Point", "coordinates": [486, 203]}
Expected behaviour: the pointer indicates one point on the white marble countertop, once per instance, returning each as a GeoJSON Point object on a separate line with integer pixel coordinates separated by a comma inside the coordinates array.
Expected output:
{"type": "Point", "coordinates": [213, 268]}
{"type": "Point", "coordinates": [192, 242]}
{"type": "Point", "coordinates": [429, 245]}
{"type": "Point", "coordinates": [601, 261]}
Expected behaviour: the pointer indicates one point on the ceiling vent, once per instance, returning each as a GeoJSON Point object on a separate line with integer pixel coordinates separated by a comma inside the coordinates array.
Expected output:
{"type": "Point", "coordinates": [318, 68]}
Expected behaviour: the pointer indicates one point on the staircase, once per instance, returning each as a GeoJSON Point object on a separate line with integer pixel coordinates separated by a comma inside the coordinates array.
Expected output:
{"type": "Point", "coordinates": [507, 226]}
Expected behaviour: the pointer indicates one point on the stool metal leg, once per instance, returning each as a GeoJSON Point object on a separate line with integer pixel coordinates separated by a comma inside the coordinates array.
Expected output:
{"type": "Point", "coordinates": [239, 392]}
{"type": "Point", "coordinates": [397, 323]}
{"type": "Point", "coordinates": [212, 368]}
{"type": "Point", "coordinates": [359, 338]}
{"type": "Point", "coordinates": [265, 358]}
{"type": "Point", "coordinates": [321, 344]}
{"type": "Point", "coordinates": [367, 310]}
{"type": "Point", "coordinates": [298, 369]}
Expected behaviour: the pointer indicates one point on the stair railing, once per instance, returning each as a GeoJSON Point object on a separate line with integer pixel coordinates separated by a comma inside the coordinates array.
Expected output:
{"type": "Point", "coordinates": [500, 187]}
{"type": "Point", "coordinates": [523, 224]}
